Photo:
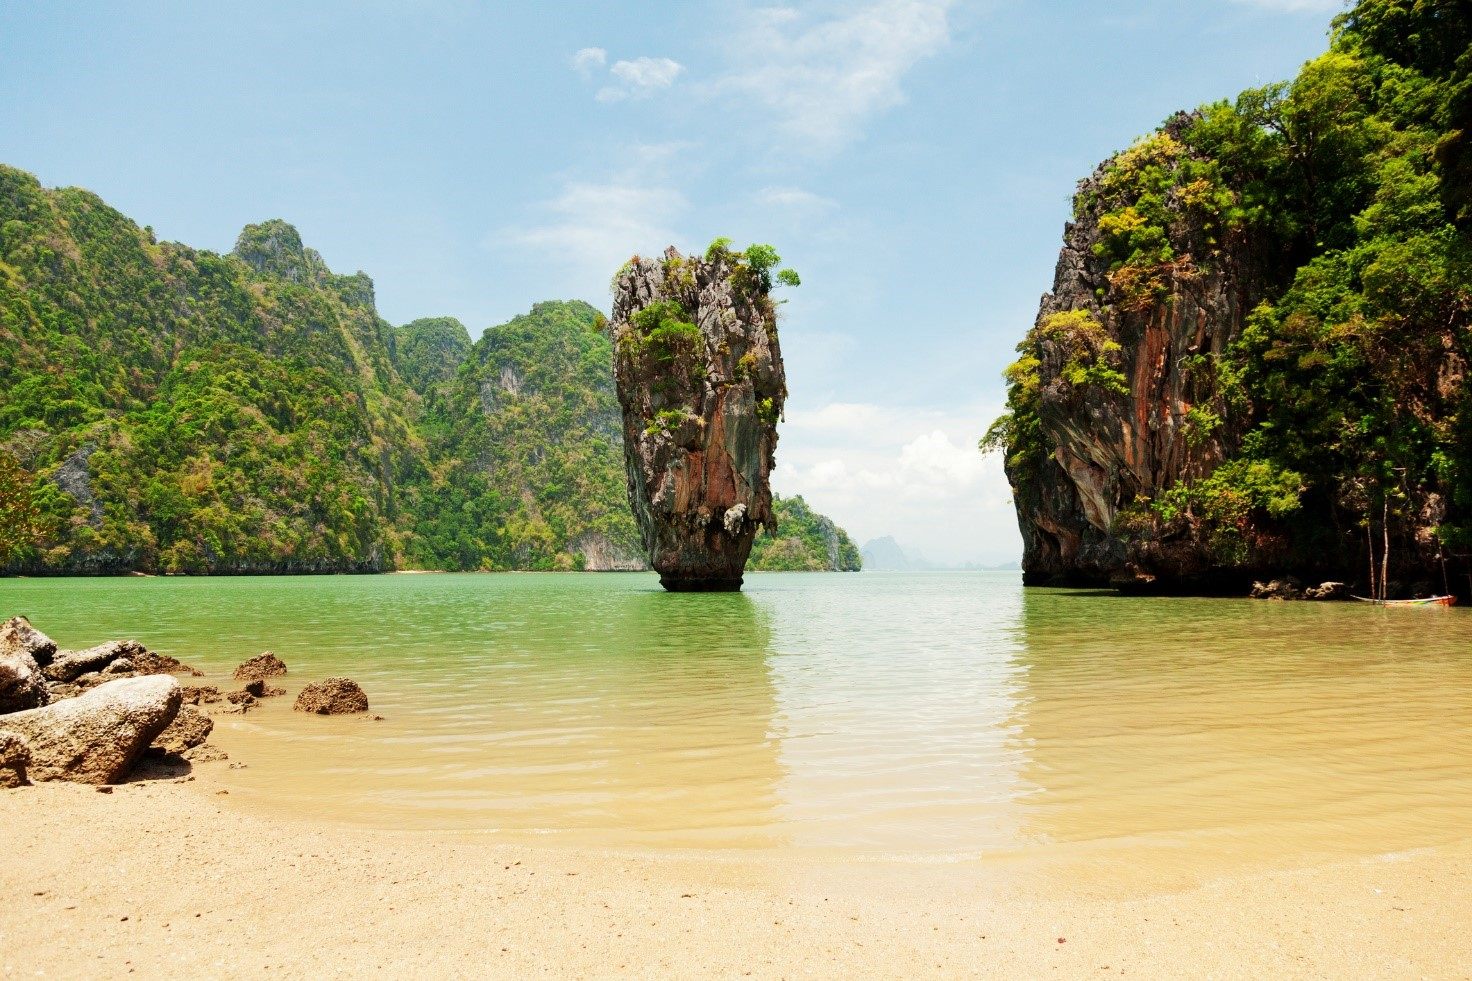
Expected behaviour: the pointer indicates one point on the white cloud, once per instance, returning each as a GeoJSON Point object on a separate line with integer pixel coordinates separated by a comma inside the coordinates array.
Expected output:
{"type": "Point", "coordinates": [596, 226]}
{"type": "Point", "coordinates": [592, 226]}
{"type": "Point", "coordinates": [823, 78]}
{"type": "Point", "coordinates": [794, 199]}
{"type": "Point", "coordinates": [586, 60]}
{"type": "Point", "coordinates": [640, 78]}
{"type": "Point", "coordinates": [912, 473]}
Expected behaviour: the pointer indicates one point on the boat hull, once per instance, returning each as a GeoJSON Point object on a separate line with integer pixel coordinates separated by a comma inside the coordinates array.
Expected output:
{"type": "Point", "coordinates": [1426, 601]}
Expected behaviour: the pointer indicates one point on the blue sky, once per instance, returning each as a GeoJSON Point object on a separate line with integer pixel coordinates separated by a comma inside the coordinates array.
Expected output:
{"type": "Point", "coordinates": [912, 159]}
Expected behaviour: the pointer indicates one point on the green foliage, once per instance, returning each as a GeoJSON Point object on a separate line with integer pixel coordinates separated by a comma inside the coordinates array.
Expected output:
{"type": "Point", "coordinates": [528, 451]}
{"type": "Point", "coordinates": [173, 410]}
{"type": "Point", "coordinates": [1089, 359]}
{"type": "Point", "coordinates": [1089, 352]}
{"type": "Point", "coordinates": [18, 518]}
{"type": "Point", "coordinates": [667, 331]}
{"type": "Point", "coordinates": [667, 420]}
{"type": "Point", "coordinates": [1221, 506]}
{"type": "Point", "coordinates": [718, 247]}
{"type": "Point", "coordinates": [767, 412]}
{"type": "Point", "coordinates": [184, 411]}
{"type": "Point", "coordinates": [805, 542]}
{"type": "Point", "coordinates": [756, 269]}
{"type": "Point", "coordinates": [428, 352]}
{"type": "Point", "coordinates": [762, 258]}
{"type": "Point", "coordinates": [1340, 204]}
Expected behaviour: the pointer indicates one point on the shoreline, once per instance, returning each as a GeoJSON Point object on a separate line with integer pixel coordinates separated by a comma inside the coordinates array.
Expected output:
{"type": "Point", "coordinates": [191, 882]}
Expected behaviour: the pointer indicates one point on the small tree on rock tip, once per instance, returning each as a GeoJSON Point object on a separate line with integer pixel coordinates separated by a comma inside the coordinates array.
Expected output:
{"type": "Point", "coordinates": [761, 259]}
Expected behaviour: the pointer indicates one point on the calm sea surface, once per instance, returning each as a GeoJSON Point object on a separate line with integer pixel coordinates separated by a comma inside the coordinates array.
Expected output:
{"type": "Point", "coordinates": [930, 716]}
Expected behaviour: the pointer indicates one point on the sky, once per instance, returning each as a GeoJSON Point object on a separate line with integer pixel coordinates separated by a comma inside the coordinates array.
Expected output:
{"type": "Point", "coordinates": [913, 160]}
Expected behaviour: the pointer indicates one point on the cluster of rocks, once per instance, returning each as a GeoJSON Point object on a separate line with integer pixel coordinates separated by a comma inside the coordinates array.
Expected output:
{"type": "Point", "coordinates": [90, 716]}
{"type": "Point", "coordinates": [1289, 588]}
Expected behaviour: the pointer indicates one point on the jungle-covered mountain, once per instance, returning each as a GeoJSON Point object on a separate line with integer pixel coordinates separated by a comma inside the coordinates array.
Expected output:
{"type": "Point", "coordinates": [168, 409]}
{"type": "Point", "coordinates": [806, 541]}
{"type": "Point", "coordinates": [1254, 357]}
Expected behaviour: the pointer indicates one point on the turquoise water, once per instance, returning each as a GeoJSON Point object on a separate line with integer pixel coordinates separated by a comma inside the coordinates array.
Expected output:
{"type": "Point", "coordinates": [929, 715]}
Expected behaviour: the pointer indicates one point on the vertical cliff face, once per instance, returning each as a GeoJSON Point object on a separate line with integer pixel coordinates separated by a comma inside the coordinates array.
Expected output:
{"type": "Point", "coordinates": [1121, 400]}
{"type": "Point", "coordinates": [700, 382]}
{"type": "Point", "coordinates": [1254, 358]}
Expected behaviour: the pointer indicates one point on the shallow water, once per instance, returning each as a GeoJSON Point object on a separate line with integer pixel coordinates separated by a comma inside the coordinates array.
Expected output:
{"type": "Point", "coordinates": [930, 716]}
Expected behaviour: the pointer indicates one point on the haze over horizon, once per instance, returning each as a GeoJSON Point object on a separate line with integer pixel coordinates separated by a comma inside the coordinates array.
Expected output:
{"type": "Point", "coordinates": [913, 159]}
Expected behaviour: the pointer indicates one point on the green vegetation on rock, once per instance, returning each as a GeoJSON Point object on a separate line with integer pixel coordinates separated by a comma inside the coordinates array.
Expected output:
{"type": "Point", "coordinates": [429, 351]}
{"type": "Point", "coordinates": [529, 470]}
{"type": "Point", "coordinates": [805, 541]}
{"type": "Point", "coordinates": [171, 410]}
{"type": "Point", "coordinates": [1336, 210]}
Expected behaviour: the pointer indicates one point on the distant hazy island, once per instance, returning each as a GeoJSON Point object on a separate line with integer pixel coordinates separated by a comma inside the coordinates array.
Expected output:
{"type": "Point", "coordinates": [172, 410]}
{"type": "Point", "coordinates": [886, 555]}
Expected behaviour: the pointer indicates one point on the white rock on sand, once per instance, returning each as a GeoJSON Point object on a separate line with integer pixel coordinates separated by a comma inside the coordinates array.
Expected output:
{"type": "Point", "coordinates": [97, 736]}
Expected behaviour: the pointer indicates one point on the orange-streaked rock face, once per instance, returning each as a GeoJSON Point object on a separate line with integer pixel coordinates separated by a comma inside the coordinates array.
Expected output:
{"type": "Point", "coordinates": [1111, 449]}
{"type": "Point", "coordinates": [701, 385]}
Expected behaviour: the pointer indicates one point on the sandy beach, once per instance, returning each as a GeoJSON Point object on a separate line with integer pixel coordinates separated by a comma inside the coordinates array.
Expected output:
{"type": "Point", "coordinates": [168, 877]}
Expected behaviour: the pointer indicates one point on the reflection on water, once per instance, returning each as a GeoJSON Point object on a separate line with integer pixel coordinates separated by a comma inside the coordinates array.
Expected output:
{"type": "Point", "coordinates": [950, 715]}
{"type": "Point", "coordinates": [1244, 728]}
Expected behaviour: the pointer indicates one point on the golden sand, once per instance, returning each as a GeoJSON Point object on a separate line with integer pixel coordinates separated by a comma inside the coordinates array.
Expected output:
{"type": "Point", "coordinates": [171, 878]}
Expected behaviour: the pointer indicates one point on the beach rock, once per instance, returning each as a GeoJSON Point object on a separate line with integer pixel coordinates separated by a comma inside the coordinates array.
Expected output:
{"type": "Point", "coordinates": [1278, 589]}
{"type": "Point", "coordinates": [200, 694]}
{"type": "Point", "coordinates": [262, 666]}
{"type": "Point", "coordinates": [151, 662]}
{"type": "Point", "coordinates": [242, 697]}
{"type": "Point", "coordinates": [91, 680]}
{"type": "Point", "coordinates": [17, 634]}
{"type": "Point", "coordinates": [71, 665]}
{"type": "Point", "coordinates": [22, 685]}
{"type": "Point", "coordinates": [701, 386]}
{"type": "Point", "coordinates": [1327, 591]}
{"type": "Point", "coordinates": [335, 696]}
{"type": "Point", "coordinates": [63, 689]}
{"type": "Point", "coordinates": [206, 753]}
{"type": "Point", "coordinates": [190, 728]}
{"type": "Point", "coordinates": [121, 666]}
{"type": "Point", "coordinates": [15, 757]}
{"type": "Point", "coordinates": [97, 736]}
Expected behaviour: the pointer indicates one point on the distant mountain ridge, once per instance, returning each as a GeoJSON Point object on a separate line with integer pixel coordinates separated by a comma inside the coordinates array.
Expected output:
{"type": "Point", "coordinates": [885, 555]}
{"type": "Point", "coordinates": [168, 409]}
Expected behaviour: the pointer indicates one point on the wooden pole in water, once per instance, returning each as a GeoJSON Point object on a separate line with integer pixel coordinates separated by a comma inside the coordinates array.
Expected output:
{"type": "Point", "coordinates": [1385, 554]}
{"type": "Point", "coordinates": [1370, 546]}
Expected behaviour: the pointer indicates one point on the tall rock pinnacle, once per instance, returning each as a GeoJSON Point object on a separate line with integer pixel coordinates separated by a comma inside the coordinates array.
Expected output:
{"type": "Point", "coordinates": [700, 381]}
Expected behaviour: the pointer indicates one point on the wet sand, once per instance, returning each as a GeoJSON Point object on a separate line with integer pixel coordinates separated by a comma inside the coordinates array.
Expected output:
{"type": "Point", "coordinates": [172, 878]}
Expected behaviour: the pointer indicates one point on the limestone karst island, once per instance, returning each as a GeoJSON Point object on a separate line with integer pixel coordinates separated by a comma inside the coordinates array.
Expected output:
{"type": "Point", "coordinates": [442, 534]}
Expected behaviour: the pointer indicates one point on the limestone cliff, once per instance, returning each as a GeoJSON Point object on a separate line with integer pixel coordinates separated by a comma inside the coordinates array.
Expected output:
{"type": "Point", "coordinates": [700, 382]}
{"type": "Point", "coordinates": [1122, 386]}
{"type": "Point", "coordinates": [1254, 359]}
